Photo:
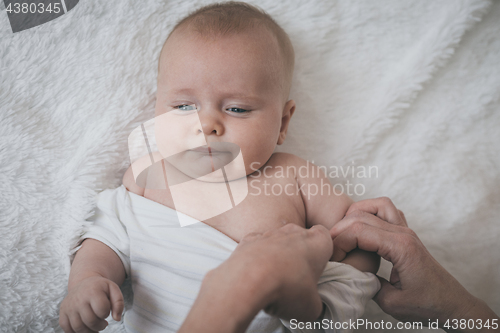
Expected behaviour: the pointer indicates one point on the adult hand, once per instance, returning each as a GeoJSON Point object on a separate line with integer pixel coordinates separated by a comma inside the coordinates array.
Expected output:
{"type": "Point", "coordinates": [276, 271]}
{"type": "Point", "coordinates": [419, 288]}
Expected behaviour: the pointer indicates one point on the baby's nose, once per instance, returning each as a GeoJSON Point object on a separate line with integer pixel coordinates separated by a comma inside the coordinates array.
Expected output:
{"type": "Point", "coordinates": [211, 122]}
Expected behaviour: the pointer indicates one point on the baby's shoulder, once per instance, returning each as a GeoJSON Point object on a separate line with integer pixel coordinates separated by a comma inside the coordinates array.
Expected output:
{"type": "Point", "coordinates": [282, 165]}
{"type": "Point", "coordinates": [294, 167]}
{"type": "Point", "coordinates": [285, 159]}
{"type": "Point", "coordinates": [130, 184]}
{"type": "Point", "coordinates": [137, 168]}
{"type": "Point", "coordinates": [293, 164]}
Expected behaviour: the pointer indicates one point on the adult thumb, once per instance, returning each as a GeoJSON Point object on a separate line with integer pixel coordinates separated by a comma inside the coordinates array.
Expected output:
{"type": "Point", "coordinates": [387, 296]}
{"type": "Point", "coordinates": [117, 302]}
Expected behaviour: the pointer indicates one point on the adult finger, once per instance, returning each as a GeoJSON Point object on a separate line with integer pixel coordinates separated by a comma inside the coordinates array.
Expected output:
{"type": "Point", "coordinates": [359, 216]}
{"type": "Point", "coordinates": [403, 216]}
{"type": "Point", "coordinates": [289, 228]}
{"type": "Point", "coordinates": [320, 241]}
{"type": "Point", "coordinates": [320, 230]}
{"type": "Point", "coordinates": [382, 207]}
{"type": "Point", "coordinates": [388, 296]}
{"type": "Point", "coordinates": [369, 238]}
{"type": "Point", "coordinates": [350, 239]}
{"type": "Point", "coordinates": [250, 237]}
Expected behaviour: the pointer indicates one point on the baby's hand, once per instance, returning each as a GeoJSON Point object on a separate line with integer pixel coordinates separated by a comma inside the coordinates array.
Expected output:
{"type": "Point", "coordinates": [88, 304]}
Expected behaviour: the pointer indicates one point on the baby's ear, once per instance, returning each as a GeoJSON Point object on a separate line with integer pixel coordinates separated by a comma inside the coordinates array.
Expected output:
{"type": "Point", "coordinates": [287, 114]}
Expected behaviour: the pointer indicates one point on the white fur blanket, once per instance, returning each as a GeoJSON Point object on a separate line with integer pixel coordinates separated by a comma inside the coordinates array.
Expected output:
{"type": "Point", "coordinates": [409, 88]}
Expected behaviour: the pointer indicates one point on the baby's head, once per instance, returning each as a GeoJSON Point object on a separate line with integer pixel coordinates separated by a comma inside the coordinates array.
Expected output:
{"type": "Point", "coordinates": [234, 64]}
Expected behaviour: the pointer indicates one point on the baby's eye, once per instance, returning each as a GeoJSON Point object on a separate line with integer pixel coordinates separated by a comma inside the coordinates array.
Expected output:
{"type": "Point", "coordinates": [185, 107]}
{"type": "Point", "coordinates": [237, 110]}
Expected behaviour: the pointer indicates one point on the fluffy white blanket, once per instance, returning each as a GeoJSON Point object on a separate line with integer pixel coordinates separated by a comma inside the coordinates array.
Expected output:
{"type": "Point", "coordinates": [408, 88]}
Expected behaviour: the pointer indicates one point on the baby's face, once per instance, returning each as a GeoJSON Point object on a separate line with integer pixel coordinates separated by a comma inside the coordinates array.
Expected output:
{"type": "Point", "coordinates": [234, 84]}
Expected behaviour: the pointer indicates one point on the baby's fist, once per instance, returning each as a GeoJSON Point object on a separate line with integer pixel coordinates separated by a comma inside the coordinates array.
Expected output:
{"type": "Point", "coordinates": [88, 304]}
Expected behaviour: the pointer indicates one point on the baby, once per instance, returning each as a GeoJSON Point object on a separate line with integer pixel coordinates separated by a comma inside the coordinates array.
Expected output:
{"type": "Point", "coordinates": [230, 66]}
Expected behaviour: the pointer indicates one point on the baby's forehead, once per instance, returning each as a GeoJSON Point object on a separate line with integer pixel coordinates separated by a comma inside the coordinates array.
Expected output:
{"type": "Point", "coordinates": [257, 47]}
{"type": "Point", "coordinates": [258, 36]}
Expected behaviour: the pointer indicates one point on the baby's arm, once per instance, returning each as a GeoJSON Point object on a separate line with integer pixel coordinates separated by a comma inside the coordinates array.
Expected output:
{"type": "Point", "coordinates": [323, 206]}
{"type": "Point", "coordinates": [93, 288]}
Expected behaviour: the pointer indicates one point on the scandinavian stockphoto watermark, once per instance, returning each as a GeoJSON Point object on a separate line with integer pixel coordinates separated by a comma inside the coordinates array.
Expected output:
{"type": "Point", "coordinates": [364, 324]}
{"type": "Point", "coordinates": [171, 150]}
{"type": "Point", "coordinates": [311, 179]}
{"type": "Point", "coordinates": [205, 180]}
{"type": "Point", "coordinates": [26, 14]}
{"type": "Point", "coordinates": [327, 324]}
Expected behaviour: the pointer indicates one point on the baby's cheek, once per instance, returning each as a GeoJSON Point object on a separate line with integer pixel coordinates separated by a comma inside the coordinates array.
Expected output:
{"type": "Point", "coordinates": [256, 158]}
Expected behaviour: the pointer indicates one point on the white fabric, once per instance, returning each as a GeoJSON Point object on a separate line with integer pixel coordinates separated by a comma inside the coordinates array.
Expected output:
{"type": "Point", "coordinates": [412, 87]}
{"type": "Point", "coordinates": [166, 264]}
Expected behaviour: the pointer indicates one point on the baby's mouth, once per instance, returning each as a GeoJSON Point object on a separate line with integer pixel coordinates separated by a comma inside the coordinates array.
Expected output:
{"type": "Point", "coordinates": [207, 150]}
{"type": "Point", "coordinates": [200, 161]}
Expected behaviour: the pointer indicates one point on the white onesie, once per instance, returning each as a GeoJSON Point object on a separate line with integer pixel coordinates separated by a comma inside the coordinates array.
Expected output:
{"type": "Point", "coordinates": [167, 263]}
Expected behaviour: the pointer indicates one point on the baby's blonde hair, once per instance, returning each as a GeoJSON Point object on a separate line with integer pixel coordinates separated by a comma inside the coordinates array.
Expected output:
{"type": "Point", "coordinates": [222, 19]}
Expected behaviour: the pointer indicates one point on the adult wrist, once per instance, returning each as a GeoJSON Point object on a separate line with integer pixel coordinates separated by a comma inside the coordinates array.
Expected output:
{"type": "Point", "coordinates": [476, 317]}
{"type": "Point", "coordinates": [250, 289]}
{"type": "Point", "coordinates": [228, 302]}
